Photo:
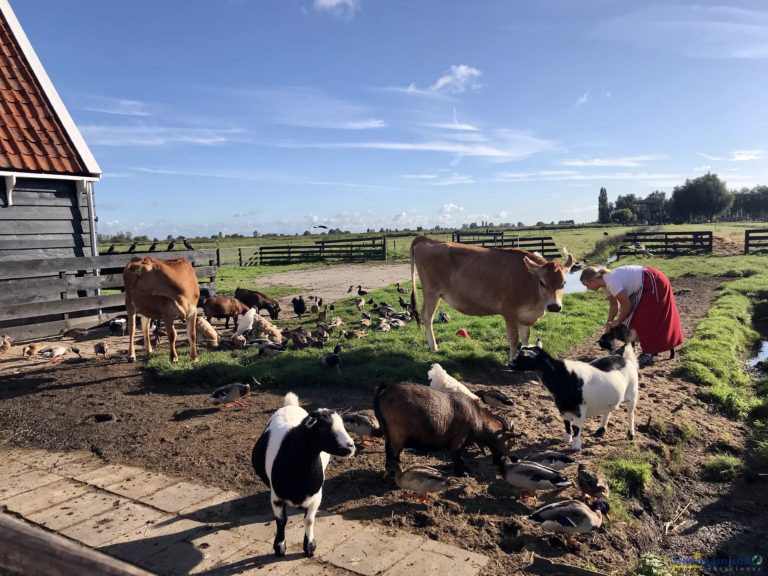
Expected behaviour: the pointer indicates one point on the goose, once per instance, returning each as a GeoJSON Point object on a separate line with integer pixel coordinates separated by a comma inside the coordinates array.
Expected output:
{"type": "Point", "coordinates": [592, 484]}
{"type": "Point", "coordinates": [6, 345]}
{"type": "Point", "coordinates": [101, 348]}
{"type": "Point", "coordinates": [55, 353]}
{"type": "Point", "coordinates": [552, 459]}
{"type": "Point", "coordinates": [421, 480]}
{"type": "Point", "coordinates": [332, 360]}
{"type": "Point", "coordinates": [570, 517]}
{"type": "Point", "coordinates": [231, 394]}
{"type": "Point", "coordinates": [30, 351]}
{"type": "Point", "coordinates": [359, 303]}
{"type": "Point", "coordinates": [402, 290]}
{"type": "Point", "coordinates": [360, 291]}
{"type": "Point", "coordinates": [495, 398]}
{"type": "Point", "coordinates": [528, 477]}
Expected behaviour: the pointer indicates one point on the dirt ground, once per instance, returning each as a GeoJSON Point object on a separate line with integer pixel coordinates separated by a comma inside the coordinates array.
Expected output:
{"type": "Point", "coordinates": [106, 406]}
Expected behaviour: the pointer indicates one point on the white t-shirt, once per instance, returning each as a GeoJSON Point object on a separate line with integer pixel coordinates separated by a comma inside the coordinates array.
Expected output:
{"type": "Point", "coordinates": [628, 279]}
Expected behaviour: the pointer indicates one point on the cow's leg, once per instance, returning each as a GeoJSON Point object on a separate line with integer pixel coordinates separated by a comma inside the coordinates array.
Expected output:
{"type": "Point", "coordinates": [427, 313]}
{"type": "Point", "coordinates": [131, 333]}
{"type": "Point", "coordinates": [172, 339]}
{"type": "Point", "coordinates": [513, 335]}
{"type": "Point", "coordinates": [524, 332]}
{"type": "Point", "coordinates": [192, 335]}
{"type": "Point", "coordinates": [145, 322]}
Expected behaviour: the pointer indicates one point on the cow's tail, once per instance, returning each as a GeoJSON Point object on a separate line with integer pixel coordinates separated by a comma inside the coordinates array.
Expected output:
{"type": "Point", "coordinates": [414, 305]}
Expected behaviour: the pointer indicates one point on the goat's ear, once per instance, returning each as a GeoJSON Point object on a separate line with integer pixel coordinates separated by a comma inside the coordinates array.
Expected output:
{"type": "Point", "coordinates": [311, 421]}
{"type": "Point", "coordinates": [531, 265]}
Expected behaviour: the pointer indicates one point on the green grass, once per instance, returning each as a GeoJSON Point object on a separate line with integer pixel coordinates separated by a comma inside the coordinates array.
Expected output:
{"type": "Point", "coordinates": [629, 472]}
{"type": "Point", "coordinates": [652, 565]}
{"type": "Point", "coordinates": [722, 468]}
{"type": "Point", "coordinates": [228, 278]}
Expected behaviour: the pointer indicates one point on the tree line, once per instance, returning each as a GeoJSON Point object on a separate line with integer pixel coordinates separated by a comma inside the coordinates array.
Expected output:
{"type": "Point", "coordinates": [700, 199]}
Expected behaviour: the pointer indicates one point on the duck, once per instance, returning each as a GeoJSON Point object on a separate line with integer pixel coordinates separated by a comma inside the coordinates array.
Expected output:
{"type": "Point", "coordinates": [55, 353]}
{"type": "Point", "coordinates": [335, 322]}
{"type": "Point", "coordinates": [402, 290]}
{"type": "Point", "coordinates": [118, 326]}
{"type": "Point", "coordinates": [101, 348]}
{"type": "Point", "coordinates": [273, 350]}
{"type": "Point", "coordinates": [443, 317]}
{"type": "Point", "coordinates": [422, 480]}
{"type": "Point", "coordinates": [396, 323]}
{"type": "Point", "coordinates": [350, 289]}
{"type": "Point", "coordinates": [592, 484]}
{"type": "Point", "coordinates": [299, 306]}
{"type": "Point", "coordinates": [528, 477]}
{"type": "Point", "coordinates": [494, 398]}
{"type": "Point", "coordinates": [403, 304]}
{"type": "Point", "coordinates": [362, 424]}
{"type": "Point", "coordinates": [75, 333]}
{"type": "Point", "coordinates": [319, 301]}
{"type": "Point", "coordinates": [332, 360]}
{"type": "Point", "coordinates": [353, 334]}
{"type": "Point", "coordinates": [322, 315]}
{"type": "Point", "coordinates": [359, 303]}
{"type": "Point", "coordinates": [384, 325]}
{"type": "Point", "coordinates": [552, 459]}
{"type": "Point", "coordinates": [314, 309]}
{"type": "Point", "coordinates": [570, 517]}
{"type": "Point", "coordinates": [6, 345]}
{"type": "Point", "coordinates": [299, 340]}
{"type": "Point", "coordinates": [360, 291]}
{"type": "Point", "coordinates": [365, 322]}
{"type": "Point", "coordinates": [231, 394]}
{"type": "Point", "coordinates": [371, 302]}
{"type": "Point", "coordinates": [30, 351]}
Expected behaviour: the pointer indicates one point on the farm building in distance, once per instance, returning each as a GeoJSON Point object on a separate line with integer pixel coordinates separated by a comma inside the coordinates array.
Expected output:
{"type": "Point", "coordinates": [46, 169]}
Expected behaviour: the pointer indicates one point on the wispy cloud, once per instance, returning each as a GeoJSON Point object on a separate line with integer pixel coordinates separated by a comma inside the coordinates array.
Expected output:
{"type": "Point", "coordinates": [454, 126]}
{"type": "Point", "coordinates": [746, 155]}
{"type": "Point", "coordinates": [420, 176]}
{"type": "Point", "coordinates": [344, 9]}
{"type": "Point", "coordinates": [708, 156]}
{"type": "Point", "coordinates": [622, 162]}
{"type": "Point", "coordinates": [116, 106]}
{"type": "Point", "coordinates": [704, 168]}
{"type": "Point", "coordinates": [694, 31]}
{"type": "Point", "coordinates": [581, 100]}
{"type": "Point", "coordinates": [451, 208]}
{"type": "Point", "coordinates": [453, 180]}
{"type": "Point", "coordinates": [574, 175]}
{"type": "Point", "coordinates": [457, 80]}
{"type": "Point", "coordinates": [140, 136]}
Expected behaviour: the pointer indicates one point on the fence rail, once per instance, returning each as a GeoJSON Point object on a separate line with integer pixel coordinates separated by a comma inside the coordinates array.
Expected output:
{"type": "Point", "coordinates": [343, 250]}
{"type": "Point", "coordinates": [667, 243]}
{"type": "Point", "coordinates": [545, 245]}
{"type": "Point", "coordinates": [755, 240]}
{"type": "Point", "coordinates": [43, 297]}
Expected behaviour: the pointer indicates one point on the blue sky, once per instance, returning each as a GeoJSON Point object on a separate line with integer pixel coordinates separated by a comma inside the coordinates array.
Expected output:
{"type": "Point", "coordinates": [277, 115]}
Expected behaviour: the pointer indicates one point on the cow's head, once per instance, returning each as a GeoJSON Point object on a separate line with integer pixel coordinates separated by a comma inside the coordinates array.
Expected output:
{"type": "Point", "coordinates": [550, 277]}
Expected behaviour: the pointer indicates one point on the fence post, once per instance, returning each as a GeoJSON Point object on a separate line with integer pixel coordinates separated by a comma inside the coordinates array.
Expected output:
{"type": "Point", "coordinates": [384, 246]}
{"type": "Point", "coordinates": [218, 256]}
{"type": "Point", "coordinates": [240, 257]}
{"type": "Point", "coordinates": [746, 241]}
{"type": "Point", "coordinates": [63, 275]}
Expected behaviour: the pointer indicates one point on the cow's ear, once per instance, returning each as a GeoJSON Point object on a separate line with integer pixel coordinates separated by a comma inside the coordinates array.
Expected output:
{"type": "Point", "coordinates": [532, 266]}
{"type": "Point", "coordinates": [569, 259]}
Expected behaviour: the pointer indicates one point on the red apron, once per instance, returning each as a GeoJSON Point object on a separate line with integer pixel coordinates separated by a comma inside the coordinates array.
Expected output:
{"type": "Point", "coordinates": [655, 319]}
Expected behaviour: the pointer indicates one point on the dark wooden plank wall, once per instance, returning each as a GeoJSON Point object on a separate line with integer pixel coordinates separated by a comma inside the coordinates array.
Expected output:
{"type": "Point", "coordinates": [44, 221]}
{"type": "Point", "coordinates": [755, 240]}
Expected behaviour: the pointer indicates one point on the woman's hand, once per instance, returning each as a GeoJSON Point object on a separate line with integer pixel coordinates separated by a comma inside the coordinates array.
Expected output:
{"type": "Point", "coordinates": [610, 325]}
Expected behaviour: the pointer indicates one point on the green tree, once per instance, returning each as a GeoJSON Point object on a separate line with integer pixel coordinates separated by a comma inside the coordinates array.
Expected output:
{"type": "Point", "coordinates": [623, 216]}
{"type": "Point", "coordinates": [603, 208]}
{"type": "Point", "coordinates": [705, 196]}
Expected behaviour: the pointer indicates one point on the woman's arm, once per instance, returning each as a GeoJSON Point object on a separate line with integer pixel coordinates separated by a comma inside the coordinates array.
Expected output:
{"type": "Point", "coordinates": [624, 308]}
{"type": "Point", "coordinates": [613, 308]}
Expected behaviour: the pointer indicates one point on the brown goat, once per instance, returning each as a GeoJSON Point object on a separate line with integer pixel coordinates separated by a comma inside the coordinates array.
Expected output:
{"type": "Point", "coordinates": [224, 307]}
{"type": "Point", "coordinates": [417, 416]}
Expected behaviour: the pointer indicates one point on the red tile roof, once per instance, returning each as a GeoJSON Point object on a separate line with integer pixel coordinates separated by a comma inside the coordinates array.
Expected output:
{"type": "Point", "coordinates": [32, 138]}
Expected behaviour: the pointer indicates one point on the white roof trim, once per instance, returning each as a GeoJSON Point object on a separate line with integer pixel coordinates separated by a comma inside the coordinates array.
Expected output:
{"type": "Point", "coordinates": [46, 176]}
{"type": "Point", "coordinates": [53, 97]}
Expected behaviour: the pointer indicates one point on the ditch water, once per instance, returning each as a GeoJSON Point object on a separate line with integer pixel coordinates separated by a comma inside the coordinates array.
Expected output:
{"type": "Point", "coordinates": [760, 360]}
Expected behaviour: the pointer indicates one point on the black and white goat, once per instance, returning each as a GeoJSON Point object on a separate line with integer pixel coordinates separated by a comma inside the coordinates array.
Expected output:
{"type": "Point", "coordinates": [291, 456]}
{"type": "Point", "coordinates": [582, 390]}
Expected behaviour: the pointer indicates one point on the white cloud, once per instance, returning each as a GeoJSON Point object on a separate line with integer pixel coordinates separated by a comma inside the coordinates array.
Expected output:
{"type": "Point", "coordinates": [452, 180]}
{"type": "Point", "coordinates": [457, 80]}
{"type": "Point", "coordinates": [704, 168]}
{"type": "Point", "coordinates": [420, 176]}
{"type": "Point", "coordinates": [583, 99]}
{"type": "Point", "coordinates": [746, 155]}
{"type": "Point", "coordinates": [454, 126]}
{"type": "Point", "coordinates": [364, 124]}
{"type": "Point", "coordinates": [139, 136]}
{"type": "Point", "coordinates": [573, 175]}
{"type": "Point", "coordinates": [344, 9]}
{"type": "Point", "coordinates": [112, 223]}
{"type": "Point", "coordinates": [580, 209]}
{"type": "Point", "coordinates": [116, 106]}
{"type": "Point", "coordinates": [623, 162]}
{"type": "Point", "coordinates": [708, 156]}
{"type": "Point", "coordinates": [451, 208]}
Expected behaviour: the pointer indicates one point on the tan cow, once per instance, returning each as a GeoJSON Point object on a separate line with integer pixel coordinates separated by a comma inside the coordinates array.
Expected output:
{"type": "Point", "coordinates": [161, 289]}
{"type": "Point", "coordinates": [518, 285]}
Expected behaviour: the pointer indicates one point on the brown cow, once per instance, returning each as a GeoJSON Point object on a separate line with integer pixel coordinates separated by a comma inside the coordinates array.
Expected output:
{"type": "Point", "coordinates": [224, 307]}
{"type": "Point", "coordinates": [161, 289]}
{"type": "Point", "coordinates": [518, 285]}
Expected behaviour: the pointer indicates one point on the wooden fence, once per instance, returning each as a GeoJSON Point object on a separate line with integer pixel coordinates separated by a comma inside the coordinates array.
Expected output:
{"type": "Point", "coordinates": [544, 245]}
{"type": "Point", "coordinates": [755, 240]}
{"type": "Point", "coordinates": [666, 243]}
{"type": "Point", "coordinates": [42, 298]}
{"type": "Point", "coordinates": [344, 250]}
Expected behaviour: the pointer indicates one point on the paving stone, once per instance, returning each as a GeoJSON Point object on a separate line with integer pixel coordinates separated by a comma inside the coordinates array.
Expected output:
{"type": "Point", "coordinates": [259, 558]}
{"type": "Point", "coordinates": [222, 507]}
{"type": "Point", "coordinates": [77, 510]}
{"type": "Point", "coordinates": [80, 467]}
{"type": "Point", "coordinates": [180, 496]}
{"type": "Point", "coordinates": [15, 468]}
{"type": "Point", "coordinates": [370, 550]}
{"type": "Point", "coordinates": [46, 496]}
{"type": "Point", "coordinates": [257, 528]}
{"type": "Point", "coordinates": [8, 453]}
{"type": "Point", "coordinates": [12, 485]}
{"type": "Point", "coordinates": [105, 527]}
{"type": "Point", "coordinates": [52, 460]}
{"type": "Point", "coordinates": [108, 474]}
{"type": "Point", "coordinates": [141, 484]}
{"type": "Point", "coordinates": [435, 559]}
{"type": "Point", "coordinates": [330, 531]}
{"type": "Point", "coordinates": [153, 538]}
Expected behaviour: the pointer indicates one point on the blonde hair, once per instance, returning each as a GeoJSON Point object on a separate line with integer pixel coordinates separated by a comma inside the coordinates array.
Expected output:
{"type": "Point", "coordinates": [591, 272]}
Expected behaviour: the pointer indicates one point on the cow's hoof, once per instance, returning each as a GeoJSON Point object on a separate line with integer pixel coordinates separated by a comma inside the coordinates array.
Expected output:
{"type": "Point", "coordinates": [174, 360]}
{"type": "Point", "coordinates": [280, 548]}
{"type": "Point", "coordinates": [309, 547]}
{"type": "Point", "coordinates": [600, 432]}
{"type": "Point", "coordinates": [131, 358]}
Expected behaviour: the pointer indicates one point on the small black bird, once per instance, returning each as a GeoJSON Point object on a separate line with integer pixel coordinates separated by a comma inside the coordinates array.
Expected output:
{"type": "Point", "coordinates": [360, 291]}
{"type": "Point", "coordinates": [348, 291]}
{"type": "Point", "coordinates": [154, 245]}
{"type": "Point", "coordinates": [371, 302]}
{"type": "Point", "coordinates": [187, 245]}
{"type": "Point", "coordinates": [132, 248]}
{"type": "Point", "coordinates": [331, 307]}
{"type": "Point", "coordinates": [332, 360]}
{"type": "Point", "coordinates": [111, 249]}
{"type": "Point", "coordinates": [403, 303]}
{"type": "Point", "coordinates": [171, 245]}
{"type": "Point", "coordinates": [320, 302]}
{"type": "Point", "coordinates": [299, 306]}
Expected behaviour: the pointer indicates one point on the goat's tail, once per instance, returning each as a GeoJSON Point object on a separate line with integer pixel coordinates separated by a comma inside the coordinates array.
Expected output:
{"type": "Point", "coordinates": [382, 429]}
{"type": "Point", "coordinates": [414, 305]}
{"type": "Point", "coordinates": [291, 399]}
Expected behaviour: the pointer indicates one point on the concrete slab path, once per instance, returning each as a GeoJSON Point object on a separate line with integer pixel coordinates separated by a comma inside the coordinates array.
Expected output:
{"type": "Point", "coordinates": [169, 526]}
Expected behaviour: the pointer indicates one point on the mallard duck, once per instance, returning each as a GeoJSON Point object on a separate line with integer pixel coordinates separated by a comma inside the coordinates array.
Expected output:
{"type": "Point", "coordinates": [552, 459]}
{"type": "Point", "coordinates": [274, 350]}
{"type": "Point", "coordinates": [231, 394]}
{"type": "Point", "coordinates": [335, 322]}
{"type": "Point", "coordinates": [55, 353]}
{"type": "Point", "coordinates": [495, 398]}
{"type": "Point", "coordinates": [570, 517]}
{"type": "Point", "coordinates": [528, 477]}
{"type": "Point", "coordinates": [314, 309]}
{"type": "Point", "coordinates": [360, 291]}
{"type": "Point", "coordinates": [6, 345]}
{"type": "Point", "coordinates": [592, 484]}
{"type": "Point", "coordinates": [101, 349]}
{"type": "Point", "coordinates": [332, 360]}
{"type": "Point", "coordinates": [359, 303]}
{"type": "Point", "coordinates": [402, 290]}
{"type": "Point", "coordinates": [299, 340]}
{"type": "Point", "coordinates": [443, 317]}
{"type": "Point", "coordinates": [421, 480]}
{"type": "Point", "coordinates": [353, 334]}
{"type": "Point", "coordinates": [396, 323]}
{"type": "Point", "coordinates": [30, 351]}
{"type": "Point", "coordinates": [384, 325]}
{"type": "Point", "coordinates": [361, 424]}
{"type": "Point", "coordinates": [365, 322]}
{"type": "Point", "coordinates": [322, 315]}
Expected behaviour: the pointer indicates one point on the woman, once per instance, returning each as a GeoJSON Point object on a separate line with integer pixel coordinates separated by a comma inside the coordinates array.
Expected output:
{"type": "Point", "coordinates": [641, 298]}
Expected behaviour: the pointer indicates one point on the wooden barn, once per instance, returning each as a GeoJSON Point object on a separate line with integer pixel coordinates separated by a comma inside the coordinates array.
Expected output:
{"type": "Point", "coordinates": [46, 169]}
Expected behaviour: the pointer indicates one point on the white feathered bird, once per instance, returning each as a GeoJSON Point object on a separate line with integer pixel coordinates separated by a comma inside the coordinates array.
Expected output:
{"type": "Point", "coordinates": [439, 379]}
{"type": "Point", "coordinates": [245, 323]}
